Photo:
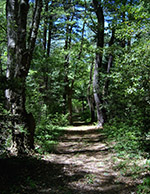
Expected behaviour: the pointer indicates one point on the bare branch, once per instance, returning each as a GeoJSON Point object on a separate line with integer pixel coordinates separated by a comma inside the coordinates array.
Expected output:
{"type": "Point", "coordinates": [34, 29]}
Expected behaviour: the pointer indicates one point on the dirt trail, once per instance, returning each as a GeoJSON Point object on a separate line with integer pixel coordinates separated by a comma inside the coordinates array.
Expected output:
{"type": "Point", "coordinates": [87, 160]}
{"type": "Point", "coordinates": [82, 163]}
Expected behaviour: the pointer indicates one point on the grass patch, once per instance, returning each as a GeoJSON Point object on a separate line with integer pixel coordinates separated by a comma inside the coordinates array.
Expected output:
{"type": "Point", "coordinates": [130, 158]}
{"type": "Point", "coordinates": [47, 138]}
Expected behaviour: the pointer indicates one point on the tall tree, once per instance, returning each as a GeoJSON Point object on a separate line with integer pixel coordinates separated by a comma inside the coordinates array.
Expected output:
{"type": "Point", "coordinates": [98, 61]}
{"type": "Point", "coordinates": [67, 90]}
{"type": "Point", "coordinates": [19, 56]}
{"type": "Point", "coordinates": [90, 97]}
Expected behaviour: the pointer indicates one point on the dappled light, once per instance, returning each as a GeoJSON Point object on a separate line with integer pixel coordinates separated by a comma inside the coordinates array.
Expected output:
{"type": "Point", "coordinates": [74, 97]}
{"type": "Point", "coordinates": [80, 163]}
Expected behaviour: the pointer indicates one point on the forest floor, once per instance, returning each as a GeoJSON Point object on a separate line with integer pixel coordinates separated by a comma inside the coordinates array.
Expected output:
{"type": "Point", "coordinates": [82, 162]}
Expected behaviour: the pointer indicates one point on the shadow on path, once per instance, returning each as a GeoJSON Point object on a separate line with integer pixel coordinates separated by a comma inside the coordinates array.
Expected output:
{"type": "Point", "coordinates": [80, 164]}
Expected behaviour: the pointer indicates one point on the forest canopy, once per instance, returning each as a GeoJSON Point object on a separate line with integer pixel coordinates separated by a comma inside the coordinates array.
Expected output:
{"type": "Point", "coordinates": [75, 60]}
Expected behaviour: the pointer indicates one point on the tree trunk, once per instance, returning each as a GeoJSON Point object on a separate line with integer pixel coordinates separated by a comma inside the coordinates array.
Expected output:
{"type": "Point", "coordinates": [49, 35]}
{"type": "Point", "coordinates": [90, 96]}
{"type": "Point", "coordinates": [46, 46]}
{"type": "Point", "coordinates": [123, 42]}
{"type": "Point", "coordinates": [1, 69]}
{"type": "Point", "coordinates": [18, 63]}
{"type": "Point", "coordinates": [68, 90]}
{"type": "Point", "coordinates": [97, 97]}
{"type": "Point", "coordinates": [98, 62]}
{"type": "Point", "coordinates": [70, 106]}
{"type": "Point", "coordinates": [45, 25]}
{"type": "Point", "coordinates": [109, 64]}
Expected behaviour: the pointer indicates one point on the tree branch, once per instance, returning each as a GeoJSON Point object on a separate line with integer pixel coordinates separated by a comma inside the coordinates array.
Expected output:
{"type": "Point", "coordinates": [34, 29]}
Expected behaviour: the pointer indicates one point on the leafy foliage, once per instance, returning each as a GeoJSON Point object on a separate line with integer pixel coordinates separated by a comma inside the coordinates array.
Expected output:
{"type": "Point", "coordinates": [128, 138]}
{"type": "Point", "coordinates": [72, 30]}
{"type": "Point", "coordinates": [144, 187]}
{"type": "Point", "coordinates": [47, 136]}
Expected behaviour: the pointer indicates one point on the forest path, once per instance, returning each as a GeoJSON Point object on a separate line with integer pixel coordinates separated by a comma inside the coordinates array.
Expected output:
{"type": "Point", "coordinates": [82, 163]}
{"type": "Point", "coordinates": [87, 164]}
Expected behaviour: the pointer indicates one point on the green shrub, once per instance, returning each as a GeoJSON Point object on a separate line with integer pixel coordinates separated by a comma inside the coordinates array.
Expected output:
{"type": "Point", "coordinates": [128, 138]}
{"type": "Point", "coordinates": [46, 136]}
{"type": "Point", "coordinates": [144, 188]}
{"type": "Point", "coordinates": [59, 119]}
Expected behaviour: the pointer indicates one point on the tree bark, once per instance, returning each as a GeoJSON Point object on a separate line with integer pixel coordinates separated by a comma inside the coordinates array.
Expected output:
{"type": "Point", "coordinates": [68, 90]}
{"type": "Point", "coordinates": [1, 69]}
{"type": "Point", "coordinates": [18, 62]}
{"type": "Point", "coordinates": [98, 61]}
{"type": "Point", "coordinates": [45, 25]}
{"type": "Point", "coordinates": [109, 64]}
{"type": "Point", "coordinates": [70, 105]}
{"type": "Point", "coordinates": [66, 65]}
{"type": "Point", "coordinates": [47, 44]}
{"type": "Point", "coordinates": [123, 42]}
{"type": "Point", "coordinates": [90, 96]}
{"type": "Point", "coordinates": [49, 35]}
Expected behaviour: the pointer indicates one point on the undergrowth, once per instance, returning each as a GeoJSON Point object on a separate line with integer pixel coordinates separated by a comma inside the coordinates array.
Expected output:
{"type": "Point", "coordinates": [48, 131]}
{"type": "Point", "coordinates": [46, 137]}
{"type": "Point", "coordinates": [130, 156]}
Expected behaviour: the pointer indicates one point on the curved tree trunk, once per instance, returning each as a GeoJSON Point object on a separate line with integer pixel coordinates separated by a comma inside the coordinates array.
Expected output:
{"type": "Point", "coordinates": [98, 62]}
{"type": "Point", "coordinates": [97, 97]}
{"type": "Point", "coordinates": [18, 63]}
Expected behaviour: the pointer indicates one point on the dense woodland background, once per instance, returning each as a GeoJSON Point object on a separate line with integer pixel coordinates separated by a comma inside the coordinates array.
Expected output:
{"type": "Point", "coordinates": [74, 60]}
{"type": "Point", "coordinates": [68, 62]}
